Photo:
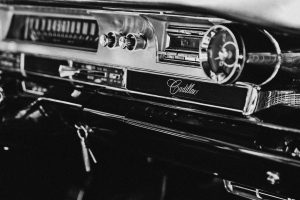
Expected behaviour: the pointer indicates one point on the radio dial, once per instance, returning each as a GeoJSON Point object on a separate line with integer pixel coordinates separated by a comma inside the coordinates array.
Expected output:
{"type": "Point", "coordinates": [133, 41]}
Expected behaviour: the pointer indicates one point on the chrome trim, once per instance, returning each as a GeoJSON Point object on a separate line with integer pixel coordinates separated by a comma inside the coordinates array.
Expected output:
{"type": "Point", "coordinates": [34, 11]}
{"type": "Point", "coordinates": [105, 114]}
{"type": "Point", "coordinates": [251, 99]}
{"type": "Point", "coordinates": [93, 12]}
{"type": "Point", "coordinates": [59, 101]}
{"type": "Point", "coordinates": [22, 65]}
{"type": "Point", "coordinates": [278, 97]}
{"type": "Point", "coordinates": [278, 51]}
{"type": "Point", "coordinates": [124, 82]}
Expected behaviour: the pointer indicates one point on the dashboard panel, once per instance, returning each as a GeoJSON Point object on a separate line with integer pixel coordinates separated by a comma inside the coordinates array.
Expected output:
{"type": "Point", "coordinates": [188, 50]}
{"type": "Point", "coordinates": [166, 44]}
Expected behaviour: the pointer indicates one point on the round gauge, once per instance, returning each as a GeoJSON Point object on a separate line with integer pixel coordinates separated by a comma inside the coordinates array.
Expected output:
{"type": "Point", "coordinates": [220, 55]}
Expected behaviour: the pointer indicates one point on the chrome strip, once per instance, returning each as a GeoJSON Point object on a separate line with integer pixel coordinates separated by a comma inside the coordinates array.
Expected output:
{"type": "Point", "coordinates": [124, 82]}
{"type": "Point", "coordinates": [22, 65]}
{"type": "Point", "coordinates": [105, 114]}
{"type": "Point", "coordinates": [59, 101]}
{"type": "Point", "coordinates": [78, 14]}
{"type": "Point", "coordinates": [278, 51]}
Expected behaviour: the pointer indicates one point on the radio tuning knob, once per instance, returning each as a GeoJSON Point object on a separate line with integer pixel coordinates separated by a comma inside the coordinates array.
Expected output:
{"type": "Point", "coordinates": [110, 39]}
{"type": "Point", "coordinates": [133, 41]}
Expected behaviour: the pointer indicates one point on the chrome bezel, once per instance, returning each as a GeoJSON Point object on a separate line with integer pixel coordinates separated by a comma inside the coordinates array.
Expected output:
{"type": "Point", "coordinates": [240, 54]}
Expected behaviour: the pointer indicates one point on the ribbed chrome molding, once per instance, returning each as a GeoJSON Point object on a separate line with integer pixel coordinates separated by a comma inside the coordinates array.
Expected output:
{"type": "Point", "coordinates": [271, 98]}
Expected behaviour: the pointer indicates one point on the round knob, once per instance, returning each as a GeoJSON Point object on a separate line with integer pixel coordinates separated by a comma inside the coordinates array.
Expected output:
{"type": "Point", "coordinates": [133, 41]}
{"type": "Point", "coordinates": [110, 39]}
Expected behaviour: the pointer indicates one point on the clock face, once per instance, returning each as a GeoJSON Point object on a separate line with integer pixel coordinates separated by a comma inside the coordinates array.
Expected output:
{"type": "Point", "coordinates": [220, 48]}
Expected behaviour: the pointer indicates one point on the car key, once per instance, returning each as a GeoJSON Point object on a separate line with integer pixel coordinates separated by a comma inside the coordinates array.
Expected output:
{"type": "Point", "coordinates": [82, 133]}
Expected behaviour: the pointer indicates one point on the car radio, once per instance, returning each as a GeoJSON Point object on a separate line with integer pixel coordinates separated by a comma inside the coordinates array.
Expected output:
{"type": "Point", "coordinates": [182, 45]}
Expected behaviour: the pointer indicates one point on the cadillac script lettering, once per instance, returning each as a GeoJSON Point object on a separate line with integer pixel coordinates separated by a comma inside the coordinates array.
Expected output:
{"type": "Point", "coordinates": [176, 87]}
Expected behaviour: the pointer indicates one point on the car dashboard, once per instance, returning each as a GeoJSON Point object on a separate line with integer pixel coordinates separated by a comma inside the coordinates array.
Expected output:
{"type": "Point", "coordinates": [148, 100]}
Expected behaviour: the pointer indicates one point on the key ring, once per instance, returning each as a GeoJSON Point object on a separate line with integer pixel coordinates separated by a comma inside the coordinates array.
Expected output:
{"type": "Point", "coordinates": [82, 135]}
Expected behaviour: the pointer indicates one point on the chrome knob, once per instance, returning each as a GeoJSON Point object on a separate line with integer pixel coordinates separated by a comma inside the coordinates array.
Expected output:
{"type": "Point", "coordinates": [110, 39]}
{"type": "Point", "coordinates": [133, 41]}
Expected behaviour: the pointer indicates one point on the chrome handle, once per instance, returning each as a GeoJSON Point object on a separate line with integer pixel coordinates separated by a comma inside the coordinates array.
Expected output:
{"type": "Point", "coordinates": [67, 71]}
